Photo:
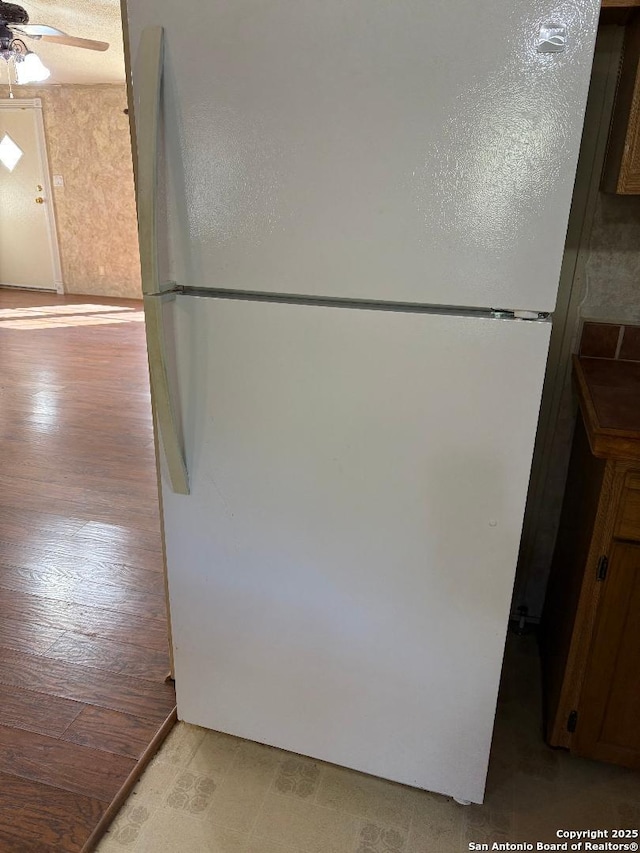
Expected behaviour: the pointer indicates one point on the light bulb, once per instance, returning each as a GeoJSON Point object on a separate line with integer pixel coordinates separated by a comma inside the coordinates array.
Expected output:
{"type": "Point", "coordinates": [31, 69]}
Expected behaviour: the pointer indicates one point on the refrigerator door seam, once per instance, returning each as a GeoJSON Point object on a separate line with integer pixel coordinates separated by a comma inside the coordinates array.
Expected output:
{"type": "Point", "coordinates": [361, 304]}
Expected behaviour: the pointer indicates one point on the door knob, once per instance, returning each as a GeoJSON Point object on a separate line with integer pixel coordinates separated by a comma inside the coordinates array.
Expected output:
{"type": "Point", "coordinates": [39, 200]}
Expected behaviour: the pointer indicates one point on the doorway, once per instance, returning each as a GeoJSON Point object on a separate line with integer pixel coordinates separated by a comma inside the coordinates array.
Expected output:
{"type": "Point", "coordinates": [29, 256]}
{"type": "Point", "coordinates": [84, 653]}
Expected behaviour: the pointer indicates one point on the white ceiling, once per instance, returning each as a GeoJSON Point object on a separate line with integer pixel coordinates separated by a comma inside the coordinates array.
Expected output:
{"type": "Point", "coordinates": [94, 19]}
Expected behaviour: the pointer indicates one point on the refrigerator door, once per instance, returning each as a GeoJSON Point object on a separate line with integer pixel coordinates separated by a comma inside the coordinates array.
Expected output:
{"type": "Point", "coordinates": [402, 151]}
{"type": "Point", "coordinates": [340, 575]}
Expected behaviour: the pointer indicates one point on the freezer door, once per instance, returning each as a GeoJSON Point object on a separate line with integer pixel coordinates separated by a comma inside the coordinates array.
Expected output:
{"type": "Point", "coordinates": [409, 151]}
{"type": "Point", "coordinates": [340, 575]}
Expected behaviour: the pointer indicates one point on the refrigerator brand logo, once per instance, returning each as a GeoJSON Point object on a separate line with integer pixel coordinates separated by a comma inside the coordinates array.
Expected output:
{"type": "Point", "coordinates": [552, 38]}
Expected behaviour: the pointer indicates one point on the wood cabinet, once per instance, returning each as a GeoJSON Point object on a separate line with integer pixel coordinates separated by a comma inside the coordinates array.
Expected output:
{"type": "Point", "coordinates": [609, 707]}
{"type": "Point", "coordinates": [590, 635]}
{"type": "Point", "coordinates": [622, 163]}
{"type": "Point", "coordinates": [620, 4]}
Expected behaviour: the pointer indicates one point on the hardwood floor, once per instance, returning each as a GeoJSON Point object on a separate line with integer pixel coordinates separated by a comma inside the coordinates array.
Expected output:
{"type": "Point", "coordinates": [83, 634]}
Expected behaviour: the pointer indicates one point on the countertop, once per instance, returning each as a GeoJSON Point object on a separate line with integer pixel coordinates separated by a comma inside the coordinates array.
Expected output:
{"type": "Point", "coordinates": [609, 396]}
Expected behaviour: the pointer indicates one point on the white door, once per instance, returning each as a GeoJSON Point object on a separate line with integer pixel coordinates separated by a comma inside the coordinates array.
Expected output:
{"type": "Point", "coordinates": [340, 575]}
{"type": "Point", "coordinates": [28, 242]}
{"type": "Point", "coordinates": [399, 150]}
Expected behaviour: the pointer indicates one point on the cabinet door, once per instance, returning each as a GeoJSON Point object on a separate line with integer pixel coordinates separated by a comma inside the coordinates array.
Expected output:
{"type": "Point", "coordinates": [609, 712]}
{"type": "Point", "coordinates": [622, 166]}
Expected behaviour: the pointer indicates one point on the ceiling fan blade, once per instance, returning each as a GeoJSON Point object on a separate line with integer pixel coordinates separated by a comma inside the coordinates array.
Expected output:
{"type": "Point", "coordinates": [72, 41]}
{"type": "Point", "coordinates": [46, 33]}
{"type": "Point", "coordinates": [38, 30]}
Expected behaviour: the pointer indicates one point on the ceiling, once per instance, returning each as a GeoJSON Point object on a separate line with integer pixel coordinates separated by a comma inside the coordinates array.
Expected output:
{"type": "Point", "coordinates": [94, 19]}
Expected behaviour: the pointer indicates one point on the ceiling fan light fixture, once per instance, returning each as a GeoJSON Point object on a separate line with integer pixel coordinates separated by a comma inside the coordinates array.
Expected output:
{"type": "Point", "coordinates": [31, 69]}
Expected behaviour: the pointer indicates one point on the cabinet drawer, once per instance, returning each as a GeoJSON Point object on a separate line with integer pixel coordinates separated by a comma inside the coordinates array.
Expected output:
{"type": "Point", "coordinates": [628, 521]}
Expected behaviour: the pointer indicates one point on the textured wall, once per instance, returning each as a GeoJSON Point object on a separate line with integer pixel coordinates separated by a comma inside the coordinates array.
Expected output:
{"type": "Point", "coordinates": [610, 285]}
{"type": "Point", "coordinates": [600, 281]}
{"type": "Point", "coordinates": [88, 144]}
{"type": "Point", "coordinates": [613, 268]}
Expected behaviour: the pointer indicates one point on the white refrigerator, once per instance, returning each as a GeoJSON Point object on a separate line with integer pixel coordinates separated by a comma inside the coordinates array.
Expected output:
{"type": "Point", "coordinates": [352, 216]}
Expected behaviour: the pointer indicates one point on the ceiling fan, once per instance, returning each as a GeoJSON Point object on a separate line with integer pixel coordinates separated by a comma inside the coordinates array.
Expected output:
{"type": "Point", "coordinates": [28, 67]}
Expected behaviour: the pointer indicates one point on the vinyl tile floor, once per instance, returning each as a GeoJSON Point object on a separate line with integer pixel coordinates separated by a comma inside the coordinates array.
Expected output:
{"type": "Point", "coordinates": [206, 792]}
